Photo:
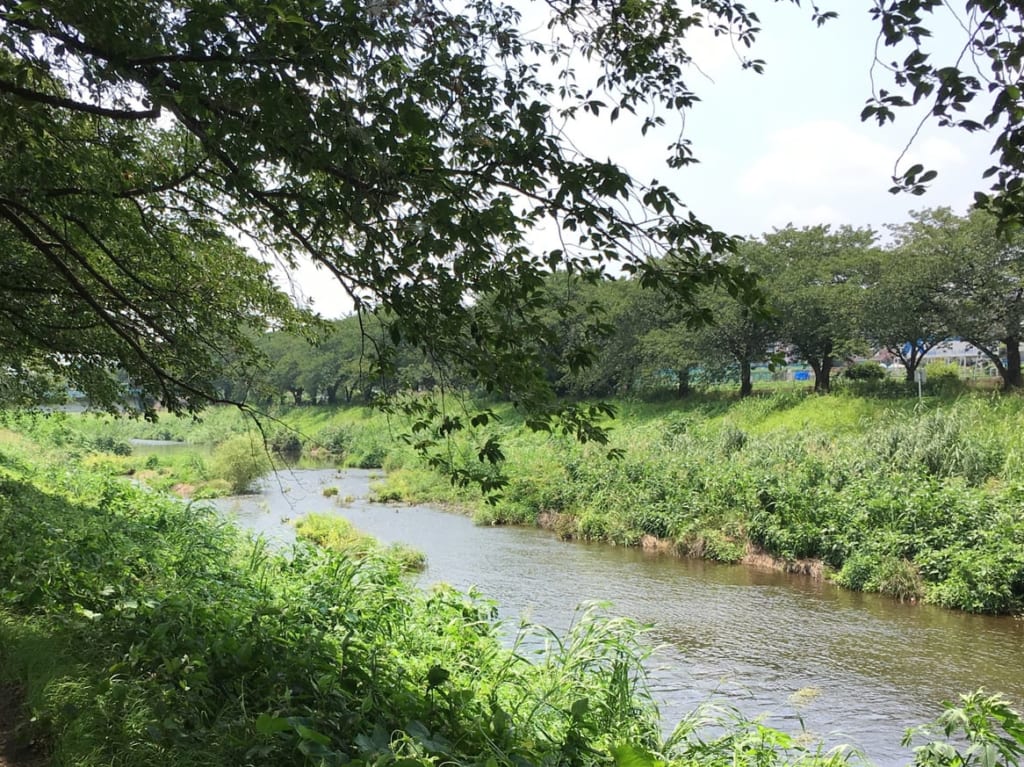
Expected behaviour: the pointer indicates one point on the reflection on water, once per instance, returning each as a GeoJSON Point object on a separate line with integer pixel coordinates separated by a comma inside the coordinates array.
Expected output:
{"type": "Point", "coordinates": [868, 667]}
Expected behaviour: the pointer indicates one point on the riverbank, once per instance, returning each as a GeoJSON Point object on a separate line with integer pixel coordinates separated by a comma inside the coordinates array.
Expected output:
{"type": "Point", "coordinates": [143, 630]}
{"type": "Point", "coordinates": [918, 500]}
{"type": "Point", "coordinates": [146, 631]}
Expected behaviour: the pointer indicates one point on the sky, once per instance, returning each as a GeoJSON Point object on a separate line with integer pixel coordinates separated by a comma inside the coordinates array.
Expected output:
{"type": "Point", "coordinates": [786, 146]}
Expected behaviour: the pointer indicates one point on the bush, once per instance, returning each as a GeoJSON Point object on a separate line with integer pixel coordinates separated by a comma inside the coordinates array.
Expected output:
{"type": "Point", "coordinates": [335, 440]}
{"type": "Point", "coordinates": [106, 444]}
{"type": "Point", "coordinates": [286, 443]}
{"type": "Point", "coordinates": [943, 377]}
{"type": "Point", "coordinates": [240, 461]}
{"type": "Point", "coordinates": [868, 370]}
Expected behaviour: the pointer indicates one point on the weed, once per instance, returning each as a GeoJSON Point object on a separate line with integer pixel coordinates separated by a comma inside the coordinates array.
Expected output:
{"type": "Point", "coordinates": [240, 461]}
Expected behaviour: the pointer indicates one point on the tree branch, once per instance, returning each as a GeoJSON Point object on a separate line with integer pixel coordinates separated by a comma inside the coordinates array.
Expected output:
{"type": "Point", "coordinates": [78, 106]}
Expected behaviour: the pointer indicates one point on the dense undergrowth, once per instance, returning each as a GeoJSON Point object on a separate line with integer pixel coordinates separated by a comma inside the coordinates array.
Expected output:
{"type": "Point", "coordinates": [145, 630]}
{"type": "Point", "coordinates": [919, 500]}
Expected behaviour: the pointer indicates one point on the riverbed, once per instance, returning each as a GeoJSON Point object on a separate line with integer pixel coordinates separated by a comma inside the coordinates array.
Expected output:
{"type": "Point", "coordinates": [847, 667]}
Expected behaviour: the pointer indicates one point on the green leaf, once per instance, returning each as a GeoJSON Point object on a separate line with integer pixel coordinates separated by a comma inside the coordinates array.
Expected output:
{"type": "Point", "coordinates": [267, 724]}
{"type": "Point", "coordinates": [632, 755]}
{"type": "Point", "coordinates": [437, 676]}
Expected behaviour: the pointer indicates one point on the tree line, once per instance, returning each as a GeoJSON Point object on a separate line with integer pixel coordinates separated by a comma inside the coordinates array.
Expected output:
{"type": "Point", "coordinates": [827, 295]}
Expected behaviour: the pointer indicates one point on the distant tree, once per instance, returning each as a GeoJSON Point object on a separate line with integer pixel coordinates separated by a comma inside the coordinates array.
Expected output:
{"type": "Point", "coordinates": [817, 281]}
{"type": "Point", "coordinates": [672, 347]}
{"type": "Point", "coordinates": [612, 342]}
{"type": "Point", "coordinates": [901, 314]}
{"type": "Point", "coordinates": [978, 282]}
{"type": "Point", "coordinates": [739, 333]}
{"type": "Point", "coordinates": [340, 361]}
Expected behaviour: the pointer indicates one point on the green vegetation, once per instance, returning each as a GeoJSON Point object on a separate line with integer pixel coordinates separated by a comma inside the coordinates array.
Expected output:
{"type": "Point", "coordinates": [147, 631]}
{"type": "Point", "coordinates": [919, 500]}
{"type": "Point", "coordinates": [338, 534]}
{"type": "Point", "coordinates": [223, 452]}
{"type": "Point", "coordinates": [241, 461]}
{"type": "Point", "coordinates": [915, 500]}
{"type": "Point", "coordinates": [139, 142]}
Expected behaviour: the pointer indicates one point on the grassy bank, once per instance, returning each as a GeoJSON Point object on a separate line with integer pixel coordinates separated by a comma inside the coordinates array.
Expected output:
{"type": "Point", "coordinates": [917, 500]}
{"type": "Point", "coordinates": [145, 630]}
{"type": "Point", "coordinates": [920, 500]}
{"type": "Point", "coordinates": [148, 632]}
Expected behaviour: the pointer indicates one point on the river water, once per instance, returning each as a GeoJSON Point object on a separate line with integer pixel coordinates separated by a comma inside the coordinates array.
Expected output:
{"type": "Point", "coordinates": [847, 667]}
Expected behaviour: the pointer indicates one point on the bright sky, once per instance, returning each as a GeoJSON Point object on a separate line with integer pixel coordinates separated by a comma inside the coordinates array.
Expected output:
{"type": "Point", "coordinates": [786, 146]}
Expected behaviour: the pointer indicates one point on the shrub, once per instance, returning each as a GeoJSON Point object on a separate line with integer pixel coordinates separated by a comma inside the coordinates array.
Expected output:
{"type": "Point", "coordinates": [240, 461]}
{"type": "Point", "coordinates": [107, 444]}
{"type": "Point", "coordinates": [285, 442]}
{"type": "Point", "coordinates": [943, 377]}
{"type": "Point", "coordinates": [867, 370]}
{"type": "Point", "coordinates": [336, 440]}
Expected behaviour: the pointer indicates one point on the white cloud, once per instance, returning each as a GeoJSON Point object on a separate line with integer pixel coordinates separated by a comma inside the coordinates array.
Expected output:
{"type": "Point", "coordinates": [819, 157]}
{"type": "Point", "coordinates": [937, 153]}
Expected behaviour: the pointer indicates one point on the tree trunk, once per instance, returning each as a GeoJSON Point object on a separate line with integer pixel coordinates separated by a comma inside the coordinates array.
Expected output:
{"type": "Point", "coordinates": [683, 385]}
{"type": "Point", "coordinates": [297, 394]}
{"type": "Point", "coordinates": [1012, 373]}
{"type": "Point", "coordinates": [822, 374]}
{"type": "Point", "coordinates": [332, 393]}
{"type": "Point", "coordinates": [746, 385]}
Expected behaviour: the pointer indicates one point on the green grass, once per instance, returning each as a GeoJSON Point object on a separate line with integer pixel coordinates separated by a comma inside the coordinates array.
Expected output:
{"type": "Point", "coordinates": [148, 631]}
{"type": "Point", "coordinates": [914, 498]}
{"type": "Point", "coordinates": [338, 534]}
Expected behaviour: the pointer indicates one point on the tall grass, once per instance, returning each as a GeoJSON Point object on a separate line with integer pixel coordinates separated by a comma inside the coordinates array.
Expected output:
{"type": "Point", "coordinates": [147, 631]}
{"type": "Point", "coordinates": [915, 498]}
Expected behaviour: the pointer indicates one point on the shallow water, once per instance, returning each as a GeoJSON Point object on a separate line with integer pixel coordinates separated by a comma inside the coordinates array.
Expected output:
{"type": "Point", "coordinates": [850, 667]}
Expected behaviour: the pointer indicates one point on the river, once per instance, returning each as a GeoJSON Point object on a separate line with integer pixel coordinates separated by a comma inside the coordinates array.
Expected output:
{"type": "Point", "coordinates": [847, 667]}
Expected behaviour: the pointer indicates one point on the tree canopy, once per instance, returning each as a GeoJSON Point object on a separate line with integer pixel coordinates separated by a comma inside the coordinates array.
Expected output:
{"type": "Point", "coordinates": [415, 152]}
{"type": "Point", "coordinates": [408, 149]}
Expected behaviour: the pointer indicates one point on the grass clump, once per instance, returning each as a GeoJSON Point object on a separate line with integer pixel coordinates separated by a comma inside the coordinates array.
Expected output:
{"type": "Point", "coordinates": [240, 461]}
{"type": "Point", "coordinates": [338, 534]}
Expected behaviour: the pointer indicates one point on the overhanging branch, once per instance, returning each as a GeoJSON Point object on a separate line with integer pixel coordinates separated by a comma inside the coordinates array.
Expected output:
{"type": "Point", "coordinates": [77, 106]}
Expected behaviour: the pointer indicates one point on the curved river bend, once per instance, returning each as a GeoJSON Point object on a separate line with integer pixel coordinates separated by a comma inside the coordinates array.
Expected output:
{"type": "Point", "coordinates": [849, 667]}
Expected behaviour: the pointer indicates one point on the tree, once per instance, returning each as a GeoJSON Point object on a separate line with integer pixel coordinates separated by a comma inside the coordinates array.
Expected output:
{"type": "Point", "coordinates": [739, 334]}
{"type": "Point", "coordinates": [598, 336]}
{"type": "Point", "coordinates": [817, 280]}
{"type": "Point", "coordinates": [978, 282]}
{"type": "Point", "coordinates": [408, 149]}
{"type": "Point", "coordinates": [713, 331]}
{"type": "Point", "coordinates": [901, 314]}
